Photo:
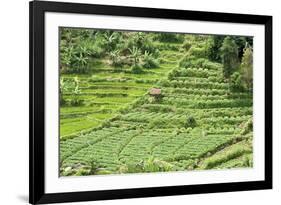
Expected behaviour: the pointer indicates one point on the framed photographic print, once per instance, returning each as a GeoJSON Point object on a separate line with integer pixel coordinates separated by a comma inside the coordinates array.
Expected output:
{"type": "Point", "coordinates": [140, 102]}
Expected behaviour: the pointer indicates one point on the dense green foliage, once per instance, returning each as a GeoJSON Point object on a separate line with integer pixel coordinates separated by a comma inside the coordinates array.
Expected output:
{"type": "Point", "coordinates": [229, 56]}
{"type": "Point", "coordinates": [235, 83]}
{"type": "Point", "coordinates": [247, 67]}
{"type": "Point", "coordinates": [110, 123]}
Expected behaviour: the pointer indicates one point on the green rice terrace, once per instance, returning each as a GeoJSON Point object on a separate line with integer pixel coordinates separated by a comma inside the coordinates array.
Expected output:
{"type": "Point", "coordinates": [133, 102]}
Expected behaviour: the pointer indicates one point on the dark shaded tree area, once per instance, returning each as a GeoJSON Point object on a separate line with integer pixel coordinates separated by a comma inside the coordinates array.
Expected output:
{"type": "Point", "coordinates": [236, 55]}
{"type": "Point", "coordinates": [241, 41]}
{"type": "Point", "coordinates": [229, 56]}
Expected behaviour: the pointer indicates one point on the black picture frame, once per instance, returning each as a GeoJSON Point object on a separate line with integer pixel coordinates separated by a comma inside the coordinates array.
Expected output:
{"type": "Point", "coordinates": [37, 10]}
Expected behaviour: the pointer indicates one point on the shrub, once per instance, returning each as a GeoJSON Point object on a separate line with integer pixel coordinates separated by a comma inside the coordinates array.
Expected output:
{"type": "Point", "coordinates": [190, 122]}
{"type": "Point", "coordinates": [235, 83]}
{"type": "Point", "coordinates": [93, 166]}
{"type": "Point", "coordinates": [155, 165]}
{"type": "Point", "coordinates": [149, 61]}
{"type": "Point", "coordinates": [211, 65]}
{"type": "Point", "coordinates": [149, 165]}
{"type": "Point", "coordinates": [197, 52]}
{"type": "Point", "coordinates": [134, 168]}
{"type": "Point", "coordinates": [186, 45]}
{"type": "Point", "coordinates": [136, 69]}
{"type": "Point", "coordinates": [82, 172]}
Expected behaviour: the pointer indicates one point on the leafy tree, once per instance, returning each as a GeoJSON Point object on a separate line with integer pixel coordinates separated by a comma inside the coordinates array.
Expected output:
{"type": "Point", "coordinates": [241, 41]}
{"type": "Point", "coordinates": [149, 61]}
{"type": "Point", "coordinates": [247, 67]}
{"type": "Point", "coordinates": [216, 41]}
{"type": "Point", "coordinates": [229, 56]}
{"type": "Point", "coordinates": [215, 45]}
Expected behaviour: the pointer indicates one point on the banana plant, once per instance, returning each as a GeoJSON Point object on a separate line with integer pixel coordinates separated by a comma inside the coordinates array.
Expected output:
{"type": "Point", "coordinates": [67, 55]}
{"type": "Point", "coordinates": [64, 87]}
{"type": "Point", "coordinates": [114, 56]}
{"type": "Point", "coordinates": [135, 54]}
{"type": "Point", "coordinates": [77, 89]}
{"type": "Point", "coordinates": [81, 60]}
{"type": "Point", "coordinates": [110, 40]}
{"type": "Point", "coordinates": [146, 55]}
{"type": "Point", "coordinates": [139, 38]}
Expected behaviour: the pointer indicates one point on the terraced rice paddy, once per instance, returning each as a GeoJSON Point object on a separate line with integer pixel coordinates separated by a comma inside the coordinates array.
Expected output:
{"type": "Point", "coordinates": [197, 124]}
{"type": "Point", "coordinates": [105, 93]}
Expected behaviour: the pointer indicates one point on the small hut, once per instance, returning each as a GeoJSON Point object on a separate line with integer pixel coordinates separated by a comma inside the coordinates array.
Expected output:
{"type": "Point", "coordinates": [156, 93]}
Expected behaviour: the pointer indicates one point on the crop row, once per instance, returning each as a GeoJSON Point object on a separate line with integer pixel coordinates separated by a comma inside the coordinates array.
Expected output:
{"type": "Point", "coordinates": [199, 104]}
{"type": "Point", "coordinates": [203, 117]}
{"type": "Point", "coordinates": [110, 149]}
{"type": "Point", "coordinates": [209, 111]}
{"type": "Point", "coordinates": [71, 146]}
{"type": "Point", "coordinates": [192, 72]}
{"type": "Point", "coordinates": [202, 113]}
{"type": "Point", "coordinates": [184, 84]}
{"type": "Point", "coordinates": [199, 91]}
{"type": "Point", "coordinates": [196, 79]}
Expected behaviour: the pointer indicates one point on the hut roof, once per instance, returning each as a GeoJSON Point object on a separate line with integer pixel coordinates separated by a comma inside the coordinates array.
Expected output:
{"type": "Point", "coordinates": [155, 91]}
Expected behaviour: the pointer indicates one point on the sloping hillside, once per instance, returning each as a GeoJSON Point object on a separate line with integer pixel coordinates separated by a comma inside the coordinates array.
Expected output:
{"type": "Point", "coordinates": [196, 123]}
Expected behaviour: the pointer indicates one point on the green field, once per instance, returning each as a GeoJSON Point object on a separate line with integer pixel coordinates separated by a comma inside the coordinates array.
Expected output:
{"type": "Point", "coordinates": [200, 121]}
